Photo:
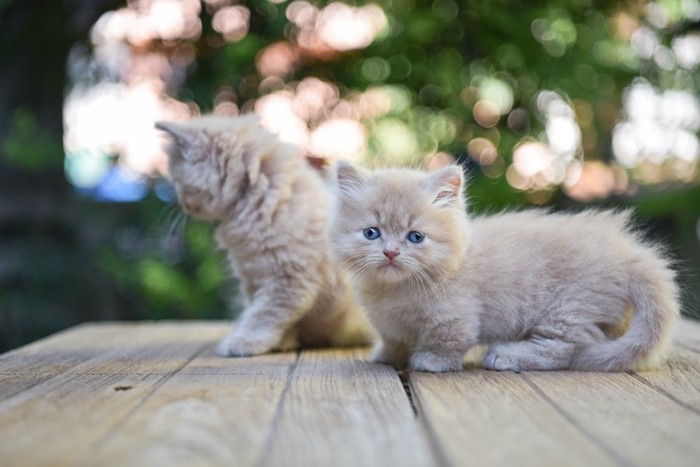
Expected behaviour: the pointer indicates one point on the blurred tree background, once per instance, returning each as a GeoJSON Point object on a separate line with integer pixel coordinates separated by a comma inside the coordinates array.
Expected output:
{"type": "Point", "coordinates": [564, 103]}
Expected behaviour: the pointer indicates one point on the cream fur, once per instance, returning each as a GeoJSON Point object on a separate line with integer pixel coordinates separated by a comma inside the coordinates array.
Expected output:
{"type": "Point", "coordinates": [271, 208]}
{"type": "Point", "coordinates": [546, 291]}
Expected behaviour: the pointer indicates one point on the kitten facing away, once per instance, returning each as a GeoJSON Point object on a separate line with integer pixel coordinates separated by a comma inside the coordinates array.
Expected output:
{"type": "Point", "coordinates": [545, 291]}
{"type": "Point", "coordinates": [271, 207]}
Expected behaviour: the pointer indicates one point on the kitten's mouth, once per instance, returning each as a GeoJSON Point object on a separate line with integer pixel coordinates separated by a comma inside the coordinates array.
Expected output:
{"type": "Point", "coordinates": [392, 270]}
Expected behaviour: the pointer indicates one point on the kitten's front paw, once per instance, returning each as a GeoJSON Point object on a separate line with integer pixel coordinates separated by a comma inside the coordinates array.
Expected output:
{"type": "Point", "coordinates": [239, 344]}
{"type": "Point", "coordinates": [435, 363]}
{"type": "Point", "coordinates": [495, 359]}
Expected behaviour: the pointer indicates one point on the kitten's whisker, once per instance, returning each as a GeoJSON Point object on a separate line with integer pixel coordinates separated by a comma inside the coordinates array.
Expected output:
{"type": "Point", "coordinates": [415, 274]}
{"type": "Point", "coordinates": [427, 285]}
{"type": "Point", "coordinates": [423, 289]}
{"type": "Point", "coordinates": [358, 267]}
{"type": "Point", "coordinates": [365, 271]}
{"type": "Point", "coordinates": [175, 220]}
{"type": "Point", "coordinates": [432, 280]}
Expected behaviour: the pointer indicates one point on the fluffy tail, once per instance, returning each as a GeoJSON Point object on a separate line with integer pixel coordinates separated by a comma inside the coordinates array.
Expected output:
{"type": "Point", "coordinates": [654, 296]}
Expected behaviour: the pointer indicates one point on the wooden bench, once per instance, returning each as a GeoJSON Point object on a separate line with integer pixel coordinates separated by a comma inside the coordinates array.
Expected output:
{"type": "Point", "coordinates": [155, 394]}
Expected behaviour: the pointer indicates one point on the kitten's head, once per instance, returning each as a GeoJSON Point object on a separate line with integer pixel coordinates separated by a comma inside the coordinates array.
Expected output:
{"type": "Point", "coordinates": [210, 159]}
{"type": "Point", "coordinates": [390, 226]}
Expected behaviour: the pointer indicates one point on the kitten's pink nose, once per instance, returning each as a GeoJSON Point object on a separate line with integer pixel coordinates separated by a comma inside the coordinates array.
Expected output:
{"type": "Point", "coordinates": [391, 254]}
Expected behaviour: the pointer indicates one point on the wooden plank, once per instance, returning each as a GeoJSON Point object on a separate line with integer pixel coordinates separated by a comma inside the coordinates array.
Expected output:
{"type": "Point", "coordinates": [469, 413]}
{"type": "Point", "coordinates": [679, 379]}
{"type": "Point", "coordinates": [156, 394]}
{"type": "Point", "coordinates": [639, 424]}
{"type": "Point", "coordinates": [478, 417]}
{"type": "Point", "coordinates": [29, 365]}
{"type": "Point", "coordinates": [69, 413]}
{"type": "Point", "coordinates": [215, 411]}
{"type": "Point", "coordinates": [341, 410]}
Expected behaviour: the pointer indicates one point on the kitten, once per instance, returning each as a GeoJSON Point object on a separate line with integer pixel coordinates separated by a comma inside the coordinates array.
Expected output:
{"type": "Point", "coordinates": [546, 291]}
{"type": "Point", "coordinates": [271, 207]}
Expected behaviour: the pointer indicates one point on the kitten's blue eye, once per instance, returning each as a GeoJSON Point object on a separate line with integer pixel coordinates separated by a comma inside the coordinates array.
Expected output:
{"type": "Point", "coordinates": [415, 237]}
{"type": "Point", "coordinates": [371, 233]}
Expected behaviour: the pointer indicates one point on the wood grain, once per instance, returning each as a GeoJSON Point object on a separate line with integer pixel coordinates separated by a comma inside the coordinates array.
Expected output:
{"type": "Point", "coordinates": [214, 411]}
{"type": "Point", "coordinates": [479, 417]}
{"type": "Point", "coordinates": [679, 379]}
{"type": "Point", "coordinates": [340, 410]}
{"type": "Point", "coordinates": [156, 394]}
{"type": "Point", "coordinates": [29, 365]}
{"type": "Point", "coordinates": [57, 421]}
{"type": "Point", "coordinates": [638, 423]}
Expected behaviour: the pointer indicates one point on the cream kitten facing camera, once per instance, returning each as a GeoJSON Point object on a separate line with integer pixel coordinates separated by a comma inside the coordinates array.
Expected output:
{"type": "Point", "coordinates": [546, 291]}
{"type": "Point", "coordinates": [271, 207]}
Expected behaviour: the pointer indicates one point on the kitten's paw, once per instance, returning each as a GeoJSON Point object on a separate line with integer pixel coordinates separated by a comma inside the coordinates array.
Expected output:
{"type": "Point", "coordinates": [497, 359]}
{"type": "Point", "coordinates": [239, 344]}
{"type": "Point", "coordinates": [435, 363]}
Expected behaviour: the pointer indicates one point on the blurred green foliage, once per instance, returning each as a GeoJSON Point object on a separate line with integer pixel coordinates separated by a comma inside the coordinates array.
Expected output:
{"type": "Point", "coordinates": [28, 146]}
{"type": "Point", "coordinates": [65, 259]}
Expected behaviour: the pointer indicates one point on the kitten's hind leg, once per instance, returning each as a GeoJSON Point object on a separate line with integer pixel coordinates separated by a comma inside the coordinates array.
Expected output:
{"type": "Point", "coordinates": [267, 323]}
{"type": "Point", "coordinates": [535, 353]}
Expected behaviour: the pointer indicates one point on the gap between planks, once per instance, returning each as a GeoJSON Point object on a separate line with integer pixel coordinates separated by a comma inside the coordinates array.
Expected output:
{"type": "Point", "coordinates": [658, 409]}
{"type": "Point", "coordinates": [665, 384]}
{"type": "Point", "coordinates": [279, 410]}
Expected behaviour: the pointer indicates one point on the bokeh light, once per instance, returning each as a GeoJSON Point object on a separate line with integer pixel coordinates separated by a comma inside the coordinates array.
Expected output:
{"type": "Point", "coordinates": [408, 104]}
{"type": "Point", "coordinates": [232, 22]}
{"type": "Point", "coordinates": [657, 138]}
{"type": "Point", "coordinates": [120, 90]}
{"type": "Point", "coordinates": [659, 133]}
{"type": "Point", "coordinates": [568, 103]}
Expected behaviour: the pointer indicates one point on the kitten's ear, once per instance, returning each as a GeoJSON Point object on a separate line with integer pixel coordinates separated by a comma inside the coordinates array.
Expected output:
{"type": "Point", "coordinates": [181, 134]}
{"type": "Point", "coordinates": [350, 178]}
{"type": "Point", "coordinates": [446, 185]}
